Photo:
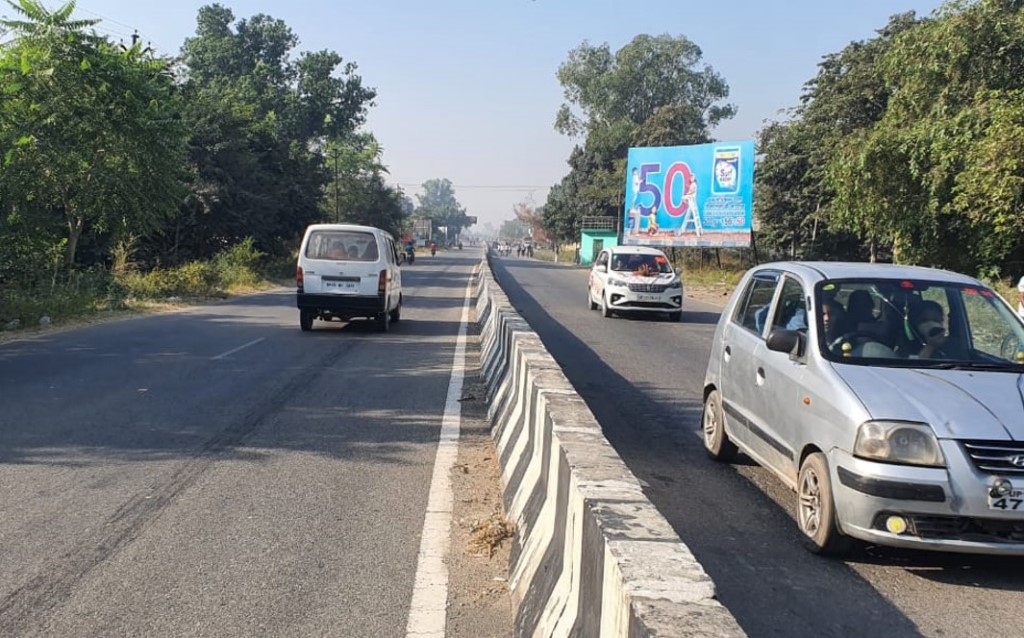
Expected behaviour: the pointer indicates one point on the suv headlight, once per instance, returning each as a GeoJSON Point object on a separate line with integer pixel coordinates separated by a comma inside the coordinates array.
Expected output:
{"type": "Point", "coordinates": [675, 285]}
{"type": "Point", "coordinates": [898, 442]}
{"type": "Point", "coordinates": [616, 282]}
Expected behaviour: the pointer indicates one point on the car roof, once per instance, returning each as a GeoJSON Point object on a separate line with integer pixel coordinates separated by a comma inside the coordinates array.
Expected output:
{"type": "Point", "coordinates": [355, 227]}
{"type": "Point", "coordinates": [819, 270]}
{"type": "Point", "coordinates": [636, 250]}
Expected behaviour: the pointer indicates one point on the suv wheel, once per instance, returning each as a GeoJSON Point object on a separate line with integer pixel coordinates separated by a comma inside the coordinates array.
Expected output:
{"type": "Point", "coordinates": [306, 320]}
{"type": "Point", "coordinates": [816, 509]}
{"type": "Point", "coordinates": [716, 441]}
{"type": "Point", "coordinates": [590, 299]}
{"type": "Point", "coordinates": [606, 310]}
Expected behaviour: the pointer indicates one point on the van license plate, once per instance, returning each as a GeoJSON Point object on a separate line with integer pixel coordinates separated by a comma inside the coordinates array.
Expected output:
{"type": "Point", "coordinates": [648, 298]}
{"type": "Point", "coordinates": [1012, 502]}
{"type": "Point", "coordinates": [340, 286]}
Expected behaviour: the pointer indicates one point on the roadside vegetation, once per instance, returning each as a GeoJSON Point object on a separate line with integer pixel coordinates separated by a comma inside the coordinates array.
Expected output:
{"type": "Point", "coordinates": [130, 176]}
{"type": "Point", "coordinates": [905, 147]}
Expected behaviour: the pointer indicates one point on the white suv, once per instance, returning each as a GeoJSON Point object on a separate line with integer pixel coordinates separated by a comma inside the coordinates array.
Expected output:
{"type": "Point", "coordinates": [635, 279]}
{"type": "Point", "coordinates": [348, 271]}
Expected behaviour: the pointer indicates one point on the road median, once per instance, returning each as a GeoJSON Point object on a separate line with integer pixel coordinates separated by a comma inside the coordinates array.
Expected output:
{"type": "Point", "coordinates": [592, 556]}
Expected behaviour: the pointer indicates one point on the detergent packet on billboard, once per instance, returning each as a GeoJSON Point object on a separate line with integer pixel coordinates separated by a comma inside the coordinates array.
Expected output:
{"type": "Point", "coordinates": [726, 171]}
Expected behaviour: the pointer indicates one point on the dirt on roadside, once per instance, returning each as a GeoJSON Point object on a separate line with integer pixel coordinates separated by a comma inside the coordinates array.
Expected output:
{"type": "Point", "coordinates": [479, 603]}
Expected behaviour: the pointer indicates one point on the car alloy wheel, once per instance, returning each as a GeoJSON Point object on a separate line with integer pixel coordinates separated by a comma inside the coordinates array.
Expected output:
{"type": "Point", "coordinates": [816, 514]}
{"type": "Point", "coordinates": [716, 441]}
{"type": "Point", "coordinates": [606, 310]}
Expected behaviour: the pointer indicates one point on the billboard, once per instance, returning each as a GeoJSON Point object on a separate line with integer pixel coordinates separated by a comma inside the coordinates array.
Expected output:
{"type": "Point", "coordinates": [700, 195]}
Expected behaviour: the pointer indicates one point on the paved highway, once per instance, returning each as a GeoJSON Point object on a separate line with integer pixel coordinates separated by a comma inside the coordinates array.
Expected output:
{"type": "Point", "coordinates": [642, 378]}
{"type": "Point", "coordinates": [217, 472]}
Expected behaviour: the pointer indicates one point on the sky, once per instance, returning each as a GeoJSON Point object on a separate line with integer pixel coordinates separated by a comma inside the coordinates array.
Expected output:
{"type": "Point", "coordinates": [466, 89]}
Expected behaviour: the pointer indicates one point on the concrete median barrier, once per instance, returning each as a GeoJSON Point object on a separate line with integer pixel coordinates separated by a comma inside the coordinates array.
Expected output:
{"type": "Point", "coordinates": [592, 556]}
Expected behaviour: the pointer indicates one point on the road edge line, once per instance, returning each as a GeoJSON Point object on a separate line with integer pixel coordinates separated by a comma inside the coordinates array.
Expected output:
{"type": "Point", "coordinates": [428, 611]}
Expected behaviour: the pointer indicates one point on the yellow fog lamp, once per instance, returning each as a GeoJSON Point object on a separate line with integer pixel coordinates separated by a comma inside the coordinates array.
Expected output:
{"type": "Point", "coordinates": [896, 524]}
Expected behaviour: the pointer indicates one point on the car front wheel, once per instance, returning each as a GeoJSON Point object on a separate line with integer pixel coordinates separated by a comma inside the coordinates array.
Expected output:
{"type": "Point", "coordinates": [716, 441]}
{"type": "Point", "coordinates": [816, 508]}
{"type": "Point", "coordinates": [606, 310]}
{"type": "Point", "coordinates": [590, 299]}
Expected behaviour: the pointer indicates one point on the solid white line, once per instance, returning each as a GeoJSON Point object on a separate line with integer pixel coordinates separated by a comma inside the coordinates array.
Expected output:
{"type": "Point", "coordinates": [241, 347]}
{"type": "Point", "coordinates": [428, 611]}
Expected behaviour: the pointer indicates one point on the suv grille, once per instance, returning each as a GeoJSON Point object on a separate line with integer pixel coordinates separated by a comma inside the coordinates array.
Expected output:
{"type": "Point", "coordinates": [647, 287]}
{"type": "Point", "coordinates": [997, 457]}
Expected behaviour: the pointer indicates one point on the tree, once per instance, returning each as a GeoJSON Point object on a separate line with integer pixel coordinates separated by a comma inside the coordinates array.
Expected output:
{"type": "Point", "coordinates": [438, 203]}
{"type": "Point", "coordinates": [796, 203]}
{"type": "Point", "coordinates": [93, 131]}
{"type": "Point", "coordinates": [651, 92]}
{"type": "Point", "coordinates": [263, 121]}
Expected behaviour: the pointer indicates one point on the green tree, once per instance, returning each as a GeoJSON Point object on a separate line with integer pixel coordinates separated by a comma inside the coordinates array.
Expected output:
{"type": "Point", "coordinates": [438, 203]}
{"type": "Point", "coordinates": [264, 122]}
{"type": "Point", "coordinates": [654, 91]}
{"type": "Point", "coordinates": [92, 130]}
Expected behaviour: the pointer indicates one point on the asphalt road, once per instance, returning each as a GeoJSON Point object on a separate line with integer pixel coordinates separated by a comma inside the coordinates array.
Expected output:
{"type": "Point", "coordinates": [217, 472]}
{"type": "Point", "coordinates": [642, 378]}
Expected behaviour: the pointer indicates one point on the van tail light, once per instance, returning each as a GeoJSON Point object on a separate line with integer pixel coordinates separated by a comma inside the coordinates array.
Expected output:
{"type": "Point", "coordinates": [298, 278]}
{"type": "Point", "coordinates": [382, 283]}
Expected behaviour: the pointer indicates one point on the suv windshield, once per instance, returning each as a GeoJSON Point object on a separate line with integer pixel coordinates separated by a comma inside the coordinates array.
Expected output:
{"type": "Point", "coordinates": [638, 263]}
{"type": "Point", "coordinates": [899, 322]}
{"type": "Point", "coordinates": [342, 245]}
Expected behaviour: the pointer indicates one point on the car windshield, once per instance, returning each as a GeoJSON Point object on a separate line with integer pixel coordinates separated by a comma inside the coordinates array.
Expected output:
{"type": "Point", "coordinates": [342, 245]}
{"type": "Point", "coordinates": [637, 263]}
{"type": "Point", "coordinates": [900, 322]}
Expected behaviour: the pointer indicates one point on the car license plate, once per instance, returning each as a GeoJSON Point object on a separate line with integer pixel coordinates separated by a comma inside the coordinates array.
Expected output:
{"type": "Point", "coordinates": [1012, 502]}
{"type": "Point", "coordinates": [648, 298]}
{"type": "Point", "coordinates": [340, 286]}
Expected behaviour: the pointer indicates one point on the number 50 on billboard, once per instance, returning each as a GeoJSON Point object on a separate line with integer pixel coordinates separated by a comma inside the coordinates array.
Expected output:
{"type": "Point", "coordinates": [700, 195]}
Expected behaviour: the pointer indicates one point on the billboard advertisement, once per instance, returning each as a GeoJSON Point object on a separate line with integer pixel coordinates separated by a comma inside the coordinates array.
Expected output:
{"type": "Point", "coordinates": [700, 195]}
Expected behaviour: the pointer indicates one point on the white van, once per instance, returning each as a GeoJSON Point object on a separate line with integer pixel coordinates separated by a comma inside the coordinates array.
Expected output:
{"type": "Point", "coordinates": [347, 271]}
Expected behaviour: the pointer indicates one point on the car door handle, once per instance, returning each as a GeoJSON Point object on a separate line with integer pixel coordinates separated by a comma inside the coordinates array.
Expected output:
{"type": "Point", "coordinates": [728, 353]}
{"type": "Point", "coordinates": [760, 376]}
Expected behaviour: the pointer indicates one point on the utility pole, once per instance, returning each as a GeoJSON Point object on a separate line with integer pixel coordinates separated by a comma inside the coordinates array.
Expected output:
{"type": "Point", "coordinates": [335, 152]}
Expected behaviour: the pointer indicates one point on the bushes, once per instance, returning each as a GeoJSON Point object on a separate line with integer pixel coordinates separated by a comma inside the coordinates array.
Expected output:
{"type": "Point", "coordinates": [62, 296]}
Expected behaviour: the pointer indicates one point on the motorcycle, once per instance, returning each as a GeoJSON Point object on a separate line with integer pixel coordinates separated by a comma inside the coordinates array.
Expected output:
{"type": "Point", "coordinates": [410, 255]}
{"type": "Point", "coordinates": [433, 250]}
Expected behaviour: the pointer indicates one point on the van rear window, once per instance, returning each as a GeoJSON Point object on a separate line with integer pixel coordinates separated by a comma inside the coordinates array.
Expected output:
{"type": "Point", "coordinates": [342, 245]}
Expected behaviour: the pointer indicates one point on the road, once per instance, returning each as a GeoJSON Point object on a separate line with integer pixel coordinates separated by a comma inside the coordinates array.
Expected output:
{"type": "Point", "coordinates": [217, 472]}
{"type": "Point", "coordinates": [642, 378]}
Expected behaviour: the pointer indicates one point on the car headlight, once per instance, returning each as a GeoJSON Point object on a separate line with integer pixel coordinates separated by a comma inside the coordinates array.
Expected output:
{"type": "Point", "coordinates": [898, 442]}
{"type": "Point", "coordinates": [616, 282]}
{"type": "Point", "coordinates": [675, 285]}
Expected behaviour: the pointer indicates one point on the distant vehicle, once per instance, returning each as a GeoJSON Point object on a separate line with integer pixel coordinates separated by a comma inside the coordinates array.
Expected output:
{"type": "Point", "coordinates": [635, 279]}
{"type": "Point", "coordinates": [347, 271]}
{"type": "Point", "coordinates": [888, 397]}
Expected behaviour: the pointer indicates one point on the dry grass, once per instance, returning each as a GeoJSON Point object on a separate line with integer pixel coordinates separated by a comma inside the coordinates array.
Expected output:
{"type": "Point", "coordinates": [490, 533]}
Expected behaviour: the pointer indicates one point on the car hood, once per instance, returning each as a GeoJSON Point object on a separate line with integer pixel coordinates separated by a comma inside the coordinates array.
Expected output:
{"type": "Point", "coordinates": [959, 404]}
{"type": "Point", "coordinates": [630, 278]}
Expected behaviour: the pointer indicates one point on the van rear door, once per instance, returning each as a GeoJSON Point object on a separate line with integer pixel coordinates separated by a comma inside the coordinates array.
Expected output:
{"type": "Point", "coordinates": [341, 262]}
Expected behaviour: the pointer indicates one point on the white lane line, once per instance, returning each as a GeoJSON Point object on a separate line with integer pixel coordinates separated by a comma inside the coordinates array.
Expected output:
{"type": "Point", "coordinates": [428, 611]}
{"type": "Point", "coordinates": [234, 350]}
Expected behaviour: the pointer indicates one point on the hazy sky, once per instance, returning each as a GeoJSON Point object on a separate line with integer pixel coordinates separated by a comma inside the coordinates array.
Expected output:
{"type": "Point", "coordinates": [467, 88]}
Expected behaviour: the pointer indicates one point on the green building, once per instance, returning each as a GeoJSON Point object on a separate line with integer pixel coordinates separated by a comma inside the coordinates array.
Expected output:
{"type": "Point", "coordinates": [596, 234]}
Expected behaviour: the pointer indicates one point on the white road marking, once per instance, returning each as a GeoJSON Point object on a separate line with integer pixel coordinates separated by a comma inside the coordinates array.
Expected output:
{"type": "Point", "coordinates": [428, 611]}
{"type": "Point", "coordinates": [234, 350]}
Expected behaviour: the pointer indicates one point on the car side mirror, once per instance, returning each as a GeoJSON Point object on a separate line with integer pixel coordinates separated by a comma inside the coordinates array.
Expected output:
{"type": "Point", "coordinates": [601, 268]}
{"type": "Point", "coordinates": [679, 271]}
{"type": "Point", "coordinates": [790, 341]}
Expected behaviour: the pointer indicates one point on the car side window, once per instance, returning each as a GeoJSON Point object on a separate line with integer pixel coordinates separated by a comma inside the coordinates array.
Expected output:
{"type": "Point", "coordinates": [791, 313]}
{"type": "Point", "coordinates": [752, 312]}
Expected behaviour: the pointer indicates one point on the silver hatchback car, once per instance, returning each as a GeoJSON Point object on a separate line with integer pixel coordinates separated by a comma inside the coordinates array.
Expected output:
{"type": "Point", "coordinates": [890, 398]}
